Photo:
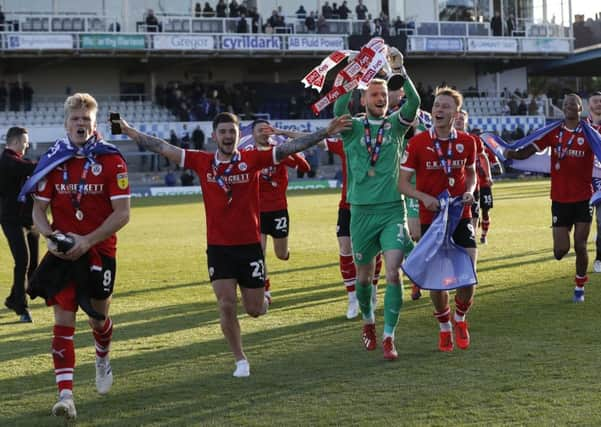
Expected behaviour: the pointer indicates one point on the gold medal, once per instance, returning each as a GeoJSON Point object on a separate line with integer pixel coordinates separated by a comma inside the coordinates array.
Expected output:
{"type": "Point", "coordinates": [371, 172]}
{"type": "Point", "coordinates": [79, 215]}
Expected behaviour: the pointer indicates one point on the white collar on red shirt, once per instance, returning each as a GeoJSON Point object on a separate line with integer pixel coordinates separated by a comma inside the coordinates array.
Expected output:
{"type": "Point", "coordinates": [222, 161]}
{"type": "Point", "coordinates": [433, 136]}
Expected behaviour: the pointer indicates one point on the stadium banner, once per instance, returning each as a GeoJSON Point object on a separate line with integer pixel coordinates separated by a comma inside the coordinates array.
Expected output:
{"type": "Point", "coordinates": [312, 184]}
{"type": "Point", "coordinates": [109, 41]}
{"type": "Point", "coordinates": [39, 42]}
{"type": "Point", "coordinates": [310, 43]}
{"type": "Point", "coordinates": [251, 42]}
{"type": "Point", "coordinates": [183, 42]}
{"type": "Point", "coordinates": [175, 191]}
{"type": "Point", "coordinates": [492, 44]}
{"type": "Point", "coordinates": [545, 45]}
{"type": "Point", "coordinates": [435, 44]}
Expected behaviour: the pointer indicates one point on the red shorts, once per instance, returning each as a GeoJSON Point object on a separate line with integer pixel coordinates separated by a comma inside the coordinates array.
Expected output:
{"type": "Point", "coordinates": [65, 299]}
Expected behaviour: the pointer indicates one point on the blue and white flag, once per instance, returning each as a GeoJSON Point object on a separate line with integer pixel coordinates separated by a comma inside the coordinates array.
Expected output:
{"type": "Point", "coordinates": [437, 263]}
{"type": "Point", "coordinates": [60, 152]}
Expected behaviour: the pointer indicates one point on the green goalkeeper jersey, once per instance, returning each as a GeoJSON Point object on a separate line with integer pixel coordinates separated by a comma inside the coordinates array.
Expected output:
{"type": "Point", "coordinates": [377, 185]}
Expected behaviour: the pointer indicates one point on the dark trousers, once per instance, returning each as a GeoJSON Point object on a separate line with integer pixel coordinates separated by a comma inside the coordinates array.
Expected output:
{"type": "Point", "coordinates": [23, 243]}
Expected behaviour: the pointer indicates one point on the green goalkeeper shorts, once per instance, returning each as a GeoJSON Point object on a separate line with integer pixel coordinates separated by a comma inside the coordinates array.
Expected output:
{"type": "Point", "coordinates": [374, 231]}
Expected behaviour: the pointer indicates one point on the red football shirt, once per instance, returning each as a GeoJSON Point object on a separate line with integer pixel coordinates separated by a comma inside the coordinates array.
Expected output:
{"type": "Point", "coordinates": [483, 173]}
{"type": "Point", "coordinates": [573, 181]}
{"type": "Point", "coordinates": [335, 146]}
{"type": "Point", "coordinates": [273, 183]}
{"type": "Point", "coordinates": [430, 177]}
{"type": "Point", "coordinates": [106, 180]}
{"type": "Point", "coordinates": [235, 223]}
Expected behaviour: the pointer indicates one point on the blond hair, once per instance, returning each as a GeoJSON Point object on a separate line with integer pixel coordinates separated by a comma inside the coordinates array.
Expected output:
{"type": "Point", "coordinates": [77, 101]}
{"type": "Point", "coordinates": [453, 93]}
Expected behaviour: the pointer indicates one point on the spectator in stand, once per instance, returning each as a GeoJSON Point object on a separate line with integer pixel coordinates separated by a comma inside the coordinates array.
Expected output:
{"type": "Point", "coordinates": [327, 11]}
{"type": "Point", "coordinates": [335, 14]}
{"type": "Point", "coordinates": [256, 19]}
{"type": "Point", "coordinates": [187, 178]}
{"type": "Point", "coordinates": [243, 9]}
{"type": "Point", "coordinates": [343, 11]}
{"type": "Point", "coordinates": [170, 179]}
{"type": "Point", "coordinates": [185, 138]}
{"type": "Point", "coordinates": [385, 24]}
{"type": "Point", "coordinates": [399, 26]}
{"type": "Point", "coordinates": [518, 133]}
{"type": "Point", "coordinates": [505, 109]}
{"type": "Point", "coordinates": [301, 13]}
{"type": "Point", "coordinates": [496, 25]}
{"type": "Point", "coordinates": [220, 8]}
{"type": "Point", "coordinates": [522, 108]}
{"type": "Point", "coordinates": [27, 96]}
{"type": "Point", "coordinates": [513, 107]}
{"type": "Point", "coordinates": [3, 95]}
{"type": "Point", "coordinates": [197, 10]}
{"type": "Point", "coordinates": [366, 28]}
{"type": "Point", "coordinates": [234, 9]}
{"type": "Point", "coordinates": [273, 20]}
{"type": "Point", "coordinates": [376, 27]}
{"type": "Point", "coordinates": [281, 20]}
{"type": "Point", "coordinates": [322, 25]}
{"type": "Point", "coordinates": [361, 11]}
{"type": "Point", "coordinates": [208, 11]}
{"type": "Point", "coordinates": [173, 139]}
{"type": "Point", "coordinates": [310, 24]}
{"type": "Point", "coordinates": [532, 107]}
{"type": "Point", "coordinates": [198, 138]}
{"type": "Point", "coordinates": [242, 25]}
{"type": "Point", "coordinates": [16, 96]}
{"type": "Point", "coordinates": [510, 25]}
{"type": "Point", "coordinates": [152, 23]}
{"type": "Point", "coordinates": [2, 19]}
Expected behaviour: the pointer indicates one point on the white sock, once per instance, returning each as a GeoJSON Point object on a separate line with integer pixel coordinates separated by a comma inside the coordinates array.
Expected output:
{"type": "Point", "coordinates": [445, 327]}
{"type": "Point", "coordinates": [65, 393]}
{"type": "Point", "coordinates": [352, 296]}
{"type": "Point", "coordinates": [459, 318]}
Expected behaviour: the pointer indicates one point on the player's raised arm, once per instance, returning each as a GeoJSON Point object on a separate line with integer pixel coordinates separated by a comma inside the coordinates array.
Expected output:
{"type": "Point", "coordinates": [151, 143]}
{"type": "Point", "coordinates": [301, 143]}
{"type": "Point", "coordinates": [408, 111]}
{"type": "Point", "coordinates": [341, 104]}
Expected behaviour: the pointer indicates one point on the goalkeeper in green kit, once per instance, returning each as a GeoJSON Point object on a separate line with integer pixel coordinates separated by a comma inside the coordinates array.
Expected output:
{"type": "Point", "coordinates": [374, 147]}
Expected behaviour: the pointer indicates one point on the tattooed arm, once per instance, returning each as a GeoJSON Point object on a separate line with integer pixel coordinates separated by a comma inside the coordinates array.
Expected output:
{"type": "Point", "coordinates": [303, 142]}
{"type": "Point", "coordinates": [152, 143]}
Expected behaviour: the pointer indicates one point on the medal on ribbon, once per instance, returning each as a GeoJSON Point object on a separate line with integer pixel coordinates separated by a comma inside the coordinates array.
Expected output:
{"type": "Point", "coordinates": [219, 179]}
{"type": "Point", "coordinates": [373, 150]}
{"type": "Point", "coordinates": [446, 162]}
{"type": "Point", "coordinates": [76, 198]}
{"type": "Point", "coordinates": [563, 151]}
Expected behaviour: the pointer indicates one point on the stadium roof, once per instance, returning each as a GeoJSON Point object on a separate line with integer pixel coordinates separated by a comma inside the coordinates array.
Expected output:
{"type": "Point", "coordinates": [585, 62]}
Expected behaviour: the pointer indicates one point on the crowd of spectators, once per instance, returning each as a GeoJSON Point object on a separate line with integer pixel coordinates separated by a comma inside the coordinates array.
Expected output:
{"type": "Point", "coordinates": [15, 96]}
{"type": "Point", "coordinates": [196, 101]}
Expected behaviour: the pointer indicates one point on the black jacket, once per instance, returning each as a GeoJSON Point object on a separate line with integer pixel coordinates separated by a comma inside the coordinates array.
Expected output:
{"type": "Point", "coordinates": [14, 170]}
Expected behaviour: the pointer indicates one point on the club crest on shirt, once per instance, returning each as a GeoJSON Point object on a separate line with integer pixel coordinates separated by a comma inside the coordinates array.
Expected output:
{"type": "Point", "coordinates": [359, 256]}
{"type": "Point", "coordinates": [122, 181]}
{"type": "Point", "coordinates": [554, 219]}
{"type": "Point", "coordinates": [387, 126]}
{"type": "Point", "coordinates": [459, 148]}
{"type": "Point", "coordinates": [242, 166]}
{"type": "Point", "coordinates": [42, 184]}
{"type": "Point", "coordinates": [96, 169]}
{"type": "Point", "coordinates": [211, 271]}
{"type": "Point", "coordinates": [580, 141]}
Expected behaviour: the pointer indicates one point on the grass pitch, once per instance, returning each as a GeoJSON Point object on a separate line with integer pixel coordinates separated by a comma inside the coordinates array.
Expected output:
{"type": "Point", "coordinates": [534, 358]}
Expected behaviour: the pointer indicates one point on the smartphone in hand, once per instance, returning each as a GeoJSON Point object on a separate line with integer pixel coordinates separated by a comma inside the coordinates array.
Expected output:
{"type": "Point", "coordinates": [115, 127]}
